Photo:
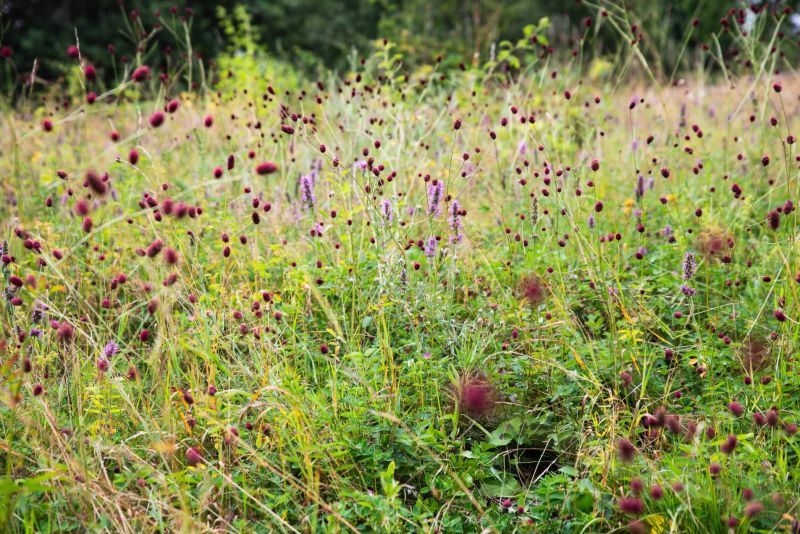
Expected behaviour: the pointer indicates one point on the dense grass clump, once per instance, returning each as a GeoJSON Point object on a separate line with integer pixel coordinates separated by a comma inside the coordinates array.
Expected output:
{"type": "Point", "coordinates": [546, 302]}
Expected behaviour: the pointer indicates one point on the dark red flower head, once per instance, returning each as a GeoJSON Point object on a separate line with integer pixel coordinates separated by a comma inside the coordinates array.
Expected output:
{"type": "Point", "coordinates": [736, 408]}
{"type": "Point", "coordinates": [193, 457]}
{"type": "Point", "coordinates": [65, 332]}
{"type": "Point", "coordinates": [626, 450]}
{"type": "Point", "coordinates": [631, 505]}
{"type": "Point", "coordinates": [475, 396]}
{"type": "Point", "coordinates": [533, 289]}
{"type": "Point", "coordinates": [96, 184]}
{"type": "Point", "coordinates": [730, 444]}
{"type": "Point", "coordinates": [157, 119]}
{"type": "Point", "coordinates": [267, 167]}
{"type": "Point", "coordinates": [141, 74]}
{"type": "Point", "coordinates": [753, 509]}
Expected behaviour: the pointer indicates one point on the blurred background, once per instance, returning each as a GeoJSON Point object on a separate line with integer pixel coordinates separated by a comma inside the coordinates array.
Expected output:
{"type": "Point", "coordinates": [315, 34]}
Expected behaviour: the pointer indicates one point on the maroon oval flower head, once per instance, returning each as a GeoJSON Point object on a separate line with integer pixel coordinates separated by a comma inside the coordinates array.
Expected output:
{"type": "Point", "coordinates": [95, 183]}
{"type": "Point", "coordinates": [626, 450]}
{"type": "Point", "coordinates": [140, 74]}
{"type": "Point", "coordinates": [736, 408]}
{"type": "Point", "coordinates": [65, 333]}
{"type": "Point", "coordinates": [533, 289]}
{"type": "Point", "coordinates": [774, 219]}
{"type": "Point", "coordinates": [6, 52]}
{"type": "Point", "coordinates": [171, 256]}
{"type": "Point", "coordinates": [754, 508]}
{"type": "Point", "coordinates": [714, 469]}
{"type": "Point", "coordinates": [172, 106]}
{"type": "Point", "coordinates": [656, 492]}
{"type": "Point", "coordinates": [47, 125]}
{"type": "Point", "coordinates": [673, 423]}
{"type": "Point", "coordinates": [89, 72]}
{"type": "Point", "coordinates": [730, 444]}
{"type": "Point", "coordinates": [154, 248]}
{"type": "Point", "coordinates": [475, 396]}
{"type": "Point", "coordinates": [157, 119]}
{"type": "Point", "coordinates": [73, 52]}
{"type": "Point", "coordinates": [779, 315]}
{"type": "Point", "coordinates": [288, 130]}
{"type": "Point", "coordinates": [193, 457]}
{"type": "Point", "coordinates": [631, 505]}
{"type": "Point", "coordinates": [267, 167]}
{"type": "Point", "coordinates": [772, 417]}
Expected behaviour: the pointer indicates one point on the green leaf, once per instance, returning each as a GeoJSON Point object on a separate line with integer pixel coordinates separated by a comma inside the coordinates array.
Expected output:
{"type": "Point", "coordinates": [506, 432]}
{"type": "Point", "coordinates": [507, 486]}
{"type": "Point", "coordinates": [569, 470]}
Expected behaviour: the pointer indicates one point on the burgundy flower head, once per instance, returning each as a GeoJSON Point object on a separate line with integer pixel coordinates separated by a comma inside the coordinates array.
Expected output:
{"type": "Point", "coordinates": [475, 396]}
{"type": "Point", "coordinates": [267, 167]}
{"type": "Point", "coordinates": [141, 74]}
{"type": "Point", "coordinates": [533, 289]}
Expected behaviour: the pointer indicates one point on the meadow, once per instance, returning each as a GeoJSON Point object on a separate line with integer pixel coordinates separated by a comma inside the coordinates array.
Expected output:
{"type": "Point", "coordinates": [557, 298]}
